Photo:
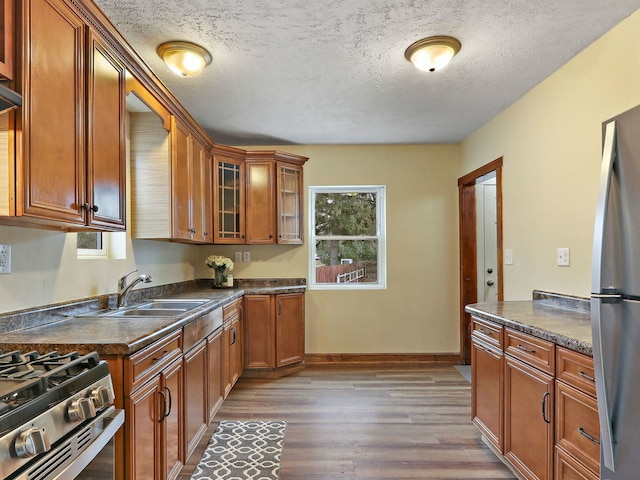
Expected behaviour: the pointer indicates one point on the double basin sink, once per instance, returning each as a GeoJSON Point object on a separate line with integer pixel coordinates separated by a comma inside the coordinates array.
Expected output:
{"type": "Point", "coordinates": [155, 308]}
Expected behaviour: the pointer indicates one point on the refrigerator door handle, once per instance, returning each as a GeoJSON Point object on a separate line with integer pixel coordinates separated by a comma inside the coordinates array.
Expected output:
{"type": "Point", "coordinates": [606, 431]}
{"type": "Point", "coordinates": [608, 159]}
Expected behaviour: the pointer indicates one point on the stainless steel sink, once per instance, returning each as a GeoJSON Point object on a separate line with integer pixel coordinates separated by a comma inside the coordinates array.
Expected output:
{"type": "Point", "coordinates": [178, 304]}
{"type": "Point", "coordinates": [164, 307]}
{"type": "Point", "coordinates": [142, 312]}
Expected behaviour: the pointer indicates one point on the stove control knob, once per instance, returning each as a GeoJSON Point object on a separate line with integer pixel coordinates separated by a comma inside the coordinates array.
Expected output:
{"type": "Point", "coordinates": [81, 409]}
{"type": "Point", "coordinates": [102, 397]}
{"type": "Point", "coordinates": [32, 442]}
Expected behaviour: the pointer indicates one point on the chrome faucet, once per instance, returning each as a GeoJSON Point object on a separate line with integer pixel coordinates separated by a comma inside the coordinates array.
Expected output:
{"type": "Point", "coordinates": [124, 289]}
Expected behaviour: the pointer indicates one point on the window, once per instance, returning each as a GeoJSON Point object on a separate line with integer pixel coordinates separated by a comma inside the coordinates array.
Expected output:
{"type": "Point", "coordinates": [92, 244]}
{"type": "Point", "coordinates": [95, 245]}
{"type": "Point", "coordinates": [347, 237]}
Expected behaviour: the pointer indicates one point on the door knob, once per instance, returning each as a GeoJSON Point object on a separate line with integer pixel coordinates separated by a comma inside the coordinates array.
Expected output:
{"type": "Point", "coordinates": [490, 283]}
{"type": "Point", "coordinates": [489, 270]}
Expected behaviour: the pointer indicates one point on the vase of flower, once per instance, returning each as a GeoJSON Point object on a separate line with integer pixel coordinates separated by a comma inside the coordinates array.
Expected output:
{"type": "Point", "coordinates": [220, 265]}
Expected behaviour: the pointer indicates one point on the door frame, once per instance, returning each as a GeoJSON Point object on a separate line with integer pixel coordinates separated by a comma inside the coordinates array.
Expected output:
{"type": "Point", "coordinates": [469, 247]}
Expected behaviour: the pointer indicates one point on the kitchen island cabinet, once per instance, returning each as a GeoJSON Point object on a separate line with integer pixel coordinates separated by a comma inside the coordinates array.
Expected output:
{"type": "Point", "coordinates": [70, 134]}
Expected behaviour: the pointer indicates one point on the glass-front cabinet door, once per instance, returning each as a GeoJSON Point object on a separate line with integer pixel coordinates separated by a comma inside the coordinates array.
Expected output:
{"type": "Point", "coordinates": [229, 217]}
{"type": "Point", "coordinates": [289, 186]}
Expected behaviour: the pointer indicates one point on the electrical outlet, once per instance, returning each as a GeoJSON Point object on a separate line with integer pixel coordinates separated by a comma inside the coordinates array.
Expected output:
{"type": "Point", "coordinates": [5, 258]}
{"type": "Point", "coordinates": [246, 256]}
{"type": "Point", "coordinates": [563, 257]}
{"type": "Point", "coordinates": [238, 257]}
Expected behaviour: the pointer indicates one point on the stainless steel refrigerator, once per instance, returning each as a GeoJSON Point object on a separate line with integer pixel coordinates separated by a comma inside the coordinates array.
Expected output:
{"type": "Point", "coordinates": [615, 299]}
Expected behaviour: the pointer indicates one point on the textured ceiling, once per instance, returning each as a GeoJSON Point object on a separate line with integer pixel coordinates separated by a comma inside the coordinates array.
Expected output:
{"type": "Point", "coordinates": [334, 72]}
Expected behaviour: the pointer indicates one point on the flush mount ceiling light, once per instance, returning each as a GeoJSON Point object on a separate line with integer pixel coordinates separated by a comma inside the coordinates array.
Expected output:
{"type": "Point", "coordinates": [184, 58]}
{"type": "Point", "coordinates": [433, 53]}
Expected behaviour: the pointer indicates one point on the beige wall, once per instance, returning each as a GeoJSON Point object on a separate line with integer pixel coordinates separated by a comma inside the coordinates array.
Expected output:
{"type": "Point", "coordinates": [417, 313]}
{"type": "Point", "coordinates": [551, 143]}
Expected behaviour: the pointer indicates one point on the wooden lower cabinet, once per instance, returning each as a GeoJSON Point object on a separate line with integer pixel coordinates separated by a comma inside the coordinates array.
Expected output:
{"type": "Point", "coordinates": [232, 346]}
{"type": "Point", "coordinates": [214, 374]}
{"type": "Point", "coordinates": [196, 412]}
{"type": "Point", "coordinates": [154, 434]}
{"type": "Point", "coordinates": [568, 468]}
{"type": "Point", "coordinates": [529, 412]}
{"type": "Point", "coordinates": [487, 391]}
{"type": "Point", "coordinates": [274, 336]}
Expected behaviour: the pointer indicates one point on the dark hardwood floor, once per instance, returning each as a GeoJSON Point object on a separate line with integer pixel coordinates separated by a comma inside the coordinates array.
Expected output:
{"type": "Point", "coordinates": [356, 422]}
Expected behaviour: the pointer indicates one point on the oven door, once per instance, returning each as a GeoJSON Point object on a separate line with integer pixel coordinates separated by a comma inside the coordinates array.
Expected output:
{"type": "Point", "coordinates": [87, 453]}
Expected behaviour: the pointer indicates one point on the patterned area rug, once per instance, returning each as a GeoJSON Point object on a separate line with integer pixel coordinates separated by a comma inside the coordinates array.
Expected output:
{"type": "Point", "coordinates": [243, 451]}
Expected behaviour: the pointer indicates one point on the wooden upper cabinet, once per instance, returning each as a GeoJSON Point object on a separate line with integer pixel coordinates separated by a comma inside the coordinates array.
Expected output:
{"type": "Point", "coordinates": [260, 206]}
{"type": "Point", "coordinates": [180, 180]}
{"type": "Point", "coordinates": [7, 23]}
{"type": "Point", "coordinates": [191, 191]}
{"type": "Point", "coordinates": [106, 158]}
{"type": "Point", "coordinates": [201, 193]}
{"type": "Point", "coordinates": [274, 197]}
{"type": "Point", "coordinates": [70, 160]}
{"type": "Point", "coordinates": [54, 168]}
{"type": "Point", "coordinates": [170, 181]}
{"type": "Point", "coordinates": [229, 195]}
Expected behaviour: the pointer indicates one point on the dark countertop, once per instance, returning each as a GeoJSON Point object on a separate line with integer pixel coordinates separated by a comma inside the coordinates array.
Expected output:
{"type": "Point", "coordinates": [565, 327]}
{"type": "Point", "coordinates": [124, 336]}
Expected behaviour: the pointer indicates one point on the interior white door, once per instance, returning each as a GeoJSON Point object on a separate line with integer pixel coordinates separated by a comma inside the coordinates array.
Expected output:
{"type": "Point", "coordinates": [487, 240]}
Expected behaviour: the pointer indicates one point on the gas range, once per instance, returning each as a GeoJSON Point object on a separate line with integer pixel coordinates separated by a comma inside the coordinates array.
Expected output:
{"type": "Point", "coordinates": [53, 407]}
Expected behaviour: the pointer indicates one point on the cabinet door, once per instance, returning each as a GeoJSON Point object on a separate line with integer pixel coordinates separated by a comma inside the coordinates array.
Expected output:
{"type": "Point", "coordinates": [487, 405]}
{"type": "Point", "coordinates": [200, 193]}
{"type": "Point", "coordinates": [172, 427]}
{"type": "Point", "coordinates": [227, 338]}
{"type": "Point", "coordinates": [106, 161]}
{"type": "Point", "coordinates": [143, 430]}
{"type": "Point", "coordinates": [289, 188]}
{"type": "Point", "coordinates": [180, 181]}
{"type": "Point", "coordinates": [196, 414]}
{"type": "Point", "coordinates": [228, 207]}
{"type": "Point", "coordinates": [260, 202]}
{"type": "Point", "coordinates": [7, 38]}
{"type": "Point", "coordinates": [214, 374]}
{"type": "Point", "coordinates": [54, 114]}
{"type": "Point", "coordinates": [259, 331]}
{"type": "Point", "coordinates": [289, 328]}
{"type": "Point", "coordinates": [206, 195]}
{"type": "Point", "coordinates": [528, 438]}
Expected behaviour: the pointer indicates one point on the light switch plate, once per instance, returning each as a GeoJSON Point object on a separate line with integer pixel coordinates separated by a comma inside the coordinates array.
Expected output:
{"type": "Point", "coordinates": [508, 256]}
{"type": "Point", "coordinates": [5, 258]}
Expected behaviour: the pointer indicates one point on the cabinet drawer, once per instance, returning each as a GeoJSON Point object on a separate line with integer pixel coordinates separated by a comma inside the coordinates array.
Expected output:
{"type": "Point", "coordinates": [534, 351]}
{"type": "Point", "coordinates": [577, 425]}
{"type": "Point", "coordinates": [487, 331]}
{"type": "Point", "coordinates": [232, 310]}
{"type": "Point", "coordinates": [146, 363]}
{"type": "Point", "coordinates": [568, 468]}
{"type": "Point", "coordinates": [576, 369]}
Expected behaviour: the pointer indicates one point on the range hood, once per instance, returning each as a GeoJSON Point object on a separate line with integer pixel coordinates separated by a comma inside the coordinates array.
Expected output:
{"type": "Point", "coordinates": [8, 98]}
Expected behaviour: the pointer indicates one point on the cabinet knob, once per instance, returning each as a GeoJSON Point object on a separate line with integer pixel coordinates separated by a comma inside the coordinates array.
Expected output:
{"type": "Point", "coordinates": [87, 207]}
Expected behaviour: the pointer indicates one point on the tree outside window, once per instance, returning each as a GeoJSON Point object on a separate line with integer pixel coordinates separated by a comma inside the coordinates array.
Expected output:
{"type": "Point", "coordinates": [347, 237]}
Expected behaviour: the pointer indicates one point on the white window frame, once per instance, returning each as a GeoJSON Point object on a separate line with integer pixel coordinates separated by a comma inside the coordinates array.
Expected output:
{"type": "Point", "coordinates": [381, 228]}
{"type": "Point", "coordinates": [96, 252]}
{"type": "Point", "coordinates": [114, 246]}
